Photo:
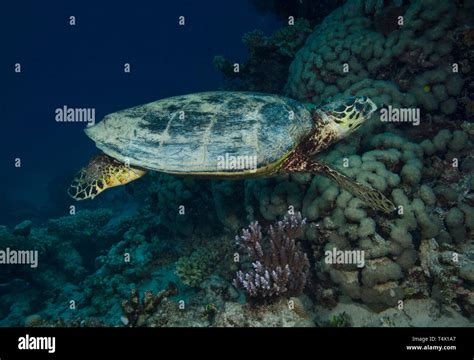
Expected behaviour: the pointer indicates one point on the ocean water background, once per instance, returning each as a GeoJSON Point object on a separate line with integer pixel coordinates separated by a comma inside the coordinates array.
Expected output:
{"type": "Point", "coordinates": [82, 66]}
{"type": "Point", "coordinates": [138, 237]}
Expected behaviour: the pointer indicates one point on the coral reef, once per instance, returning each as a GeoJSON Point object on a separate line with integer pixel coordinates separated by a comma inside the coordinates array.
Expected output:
{"type": "Point", "coordinates": [266, 67]}
{"type": "Point", "coordinates": [80, 260]}
{"type": "Point", "coordinates": [342, 319]}
{"type": "Point", "coordinates": [407, 62]}
{"type": "Point", "coordinates": [416, 266]}
{"type": "Point", "coordinates": [452, 273]}
{"type": "Point", "coordinates": [37, 320]}
{"type": "Point", "coordinates": [34, 320]}
{"type": "Point", "coordinates": [406, 255]}
{"type": "Point", "coordinates": [229, 203]}
{"type": "Point", "coordinates": [278, 314]}
{"type": "Point", "coordinates": [279, 267]}
{"type": "Point", "coordinates": [193, 270]}
{"type": "Point", "coordinates": [179, 207]}
{"type": "Point", "coordinates": [433, 199]}
{"type": "Point", "coordinates": [137, 311]}
{"type": "Point", "coordinates": [213, 256]}
{"type": "Point", "coordinates": [416, 313]}
{"type": "Point", "coordinates": [392, 249]}
{"type": "Point", "coordinates": [464, 51]}
{"type": "Point", "coordinates": [64, 242]}
{"type": "Point", "coordinates": [125, 253]}
{"type": "Point", "coordinates": [85, 225]}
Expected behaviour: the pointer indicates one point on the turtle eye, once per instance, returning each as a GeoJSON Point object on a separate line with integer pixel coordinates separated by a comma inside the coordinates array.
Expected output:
{"type": "Point", "coordinates": [349, 101]}
{"type": "Point", "coordinates": [359, 107]}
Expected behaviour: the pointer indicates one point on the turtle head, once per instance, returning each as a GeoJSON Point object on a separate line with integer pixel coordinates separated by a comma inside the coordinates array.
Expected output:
{"type": "Point", "coordinates": [101, 173]}
{"type": "Point", "coordinates": [347, 114]}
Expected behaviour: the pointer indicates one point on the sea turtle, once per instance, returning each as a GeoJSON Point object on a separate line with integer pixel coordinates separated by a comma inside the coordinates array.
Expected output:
{"type": "Point", "coordinates": [223, 134]}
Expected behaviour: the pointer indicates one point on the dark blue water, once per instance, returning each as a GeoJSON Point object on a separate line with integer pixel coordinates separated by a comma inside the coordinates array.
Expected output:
{"type": "Point", "coordinates": [82, 66]}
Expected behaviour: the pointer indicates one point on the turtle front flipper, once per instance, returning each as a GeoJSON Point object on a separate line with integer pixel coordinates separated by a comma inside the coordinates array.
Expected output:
{"type": "Point", "coordinates": [374, 198]}
{"type": "Point", "coordinates": [101, 173]}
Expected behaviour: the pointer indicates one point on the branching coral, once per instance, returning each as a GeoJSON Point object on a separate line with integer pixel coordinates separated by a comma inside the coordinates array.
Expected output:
{"type": "Point", "coordinates": [136, 311]}
{"type": "Point", "coordinates": [280, 267]}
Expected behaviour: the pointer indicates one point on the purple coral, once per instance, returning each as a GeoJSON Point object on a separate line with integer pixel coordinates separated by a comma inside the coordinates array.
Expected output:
{"type": "Point", "coordinates": [279, 266]}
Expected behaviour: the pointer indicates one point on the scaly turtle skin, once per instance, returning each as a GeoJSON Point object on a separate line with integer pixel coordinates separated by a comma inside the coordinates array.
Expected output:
{"type": "Point", "coordinates": [222, 134]}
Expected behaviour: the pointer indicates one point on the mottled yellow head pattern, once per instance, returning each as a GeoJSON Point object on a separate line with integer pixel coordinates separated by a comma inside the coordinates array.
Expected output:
{"type": "Point", "coordinates": [346, 115]}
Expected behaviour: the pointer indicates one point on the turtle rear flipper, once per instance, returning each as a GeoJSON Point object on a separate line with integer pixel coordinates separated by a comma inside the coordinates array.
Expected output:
{"type": "Point", "coordinates": [101, 173]}
{"type": "Point", "coordinates": [374, 198]}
